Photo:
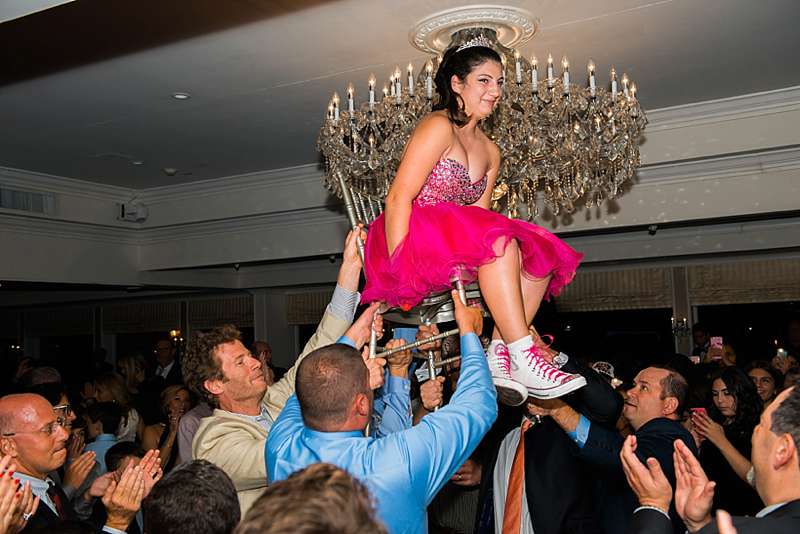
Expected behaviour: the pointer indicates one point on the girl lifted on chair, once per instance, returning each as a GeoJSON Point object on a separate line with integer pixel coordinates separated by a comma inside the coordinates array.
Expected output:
{"type": "Point", "coordinates": [437, 221]}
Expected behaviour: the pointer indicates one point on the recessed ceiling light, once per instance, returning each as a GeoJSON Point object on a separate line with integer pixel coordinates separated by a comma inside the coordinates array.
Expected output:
{"type": "Point", "coordinates": [181, 96]}
{"type": "Point", "coordinates": [137, 162]}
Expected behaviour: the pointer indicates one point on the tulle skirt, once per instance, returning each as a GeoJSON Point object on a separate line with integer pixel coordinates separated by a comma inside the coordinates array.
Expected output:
{"type": "Point", "coordinates": [446, 236]}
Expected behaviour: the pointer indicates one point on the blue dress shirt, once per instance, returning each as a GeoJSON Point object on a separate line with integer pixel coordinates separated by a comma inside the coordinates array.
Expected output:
{"type": "Point", "coordinates": [100, 447]}
{"type": "Point", "coordinates": [403, 470]}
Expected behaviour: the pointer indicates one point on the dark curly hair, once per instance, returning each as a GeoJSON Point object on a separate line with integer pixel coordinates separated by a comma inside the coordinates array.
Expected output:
{"type": "Point", "coordinates": [458, 64]}
{"type": "Point", "coordinates": [748, 403]}
{"type": "Point", "coordinates": [200, 362]}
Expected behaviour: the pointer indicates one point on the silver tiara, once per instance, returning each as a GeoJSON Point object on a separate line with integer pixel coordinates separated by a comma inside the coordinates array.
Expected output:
{"type": "Point", "coordinates": [480, 40]}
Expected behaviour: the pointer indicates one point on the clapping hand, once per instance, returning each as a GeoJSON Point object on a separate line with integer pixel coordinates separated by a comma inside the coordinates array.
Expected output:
{"type": "Point", "coordinates": [124, 498]}
{"type": "Point", "coordinates": [76, 472]}
{"type": "Point", "coordinates": [694, 493]}
{"type": "Point", "coordinates": [17, 504]}
{"type": "Point", "coordinates": [648, 482]}
{"type": "Point", "coordinates": [151, 467]}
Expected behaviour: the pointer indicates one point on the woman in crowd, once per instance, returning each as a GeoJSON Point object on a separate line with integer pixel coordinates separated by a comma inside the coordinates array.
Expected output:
{"type": "Point", "coordinates": [725, 432]}
{"type": "Point", "coordinates": [767, 379]}
{"type": "Point", "coordinates": [110, 387]}
{"type": "Point", "coordinates": [438, 223]}
{"type": "Point", "coordinates": [175, 401]}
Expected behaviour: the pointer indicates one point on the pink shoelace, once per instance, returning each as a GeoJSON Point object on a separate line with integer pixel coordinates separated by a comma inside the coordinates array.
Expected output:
{"type": "Point", "coordinates": [504, 360]}
{"type": "Point", "coordinates": [542, 366]}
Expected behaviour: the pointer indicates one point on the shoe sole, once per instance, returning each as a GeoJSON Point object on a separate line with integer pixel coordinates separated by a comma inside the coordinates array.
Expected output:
{"type": "Point", "coordinates": [558, 391]}
{"type": "Point", "coordinates": [510, 392]}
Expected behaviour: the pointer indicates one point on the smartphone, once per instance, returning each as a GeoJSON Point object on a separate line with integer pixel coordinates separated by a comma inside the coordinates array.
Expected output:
{"type": "Point", "coordinates": [781, 353]}
{"type": "Point", "coordinates": [716, 342]}
{"type": "Point", "coordinates": [698, 410]}
{"type": "Point", "coordinates": [694, 359]}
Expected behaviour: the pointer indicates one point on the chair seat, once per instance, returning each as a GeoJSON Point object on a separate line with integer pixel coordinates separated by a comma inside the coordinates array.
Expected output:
{"type": "Point", "coordinates": [435, 309]}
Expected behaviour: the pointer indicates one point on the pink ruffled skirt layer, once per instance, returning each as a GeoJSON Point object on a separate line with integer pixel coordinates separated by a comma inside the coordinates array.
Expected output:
{"type": "Point", "coordinates": [446, 236]}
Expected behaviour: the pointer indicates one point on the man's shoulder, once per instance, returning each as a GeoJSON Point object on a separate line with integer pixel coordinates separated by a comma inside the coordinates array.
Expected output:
{"type": "Point", "coordinates": [221, 424]}
{"type": "Point", "coordinates": [663, 430]}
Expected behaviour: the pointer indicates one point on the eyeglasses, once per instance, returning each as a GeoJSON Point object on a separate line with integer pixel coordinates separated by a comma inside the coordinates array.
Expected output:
{"type": "Point", "coordinates": [48, 429]}
{"type": "Point", "coordinates": [67, 409]}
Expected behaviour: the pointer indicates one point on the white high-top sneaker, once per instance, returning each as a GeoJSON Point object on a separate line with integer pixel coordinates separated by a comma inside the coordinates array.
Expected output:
{"type": "Point", "coordinates": [509, 391]}
{"type": "Point", "coordinates": [542, 379]}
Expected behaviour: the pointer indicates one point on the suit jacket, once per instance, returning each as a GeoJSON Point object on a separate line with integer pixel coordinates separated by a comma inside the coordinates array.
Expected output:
{"type": "Point", "coordinates": [784, 520]}
{"type": "Point", "coordinates": [655, 439]}
{"type": "Point", "coordinates": [236, 444]}
{"type": "Point", "coordinates": [558, 487]}
{"type": "Point", "coordinates": [44, 519]}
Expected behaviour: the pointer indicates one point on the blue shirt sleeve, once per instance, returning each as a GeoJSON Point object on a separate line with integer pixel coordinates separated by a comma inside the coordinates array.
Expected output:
{"type": "Point", "coordinates": [443, 440]}
{"type": "Point", "coordinates": [392, 408]}
{"type": "Point", "coordinates": [344, 340]}
{"type": "Point", "coordinates": [581, 432]}
{"type": "Point", "coordinates": [288, 423]}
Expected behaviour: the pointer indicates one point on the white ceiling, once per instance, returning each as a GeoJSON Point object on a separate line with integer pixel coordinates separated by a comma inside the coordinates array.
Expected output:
{"type": "Point", "coordinates": [87, 85]}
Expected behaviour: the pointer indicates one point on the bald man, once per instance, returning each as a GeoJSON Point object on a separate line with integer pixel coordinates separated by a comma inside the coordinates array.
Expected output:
{"type": "Point", "coordinates": [34, 436]}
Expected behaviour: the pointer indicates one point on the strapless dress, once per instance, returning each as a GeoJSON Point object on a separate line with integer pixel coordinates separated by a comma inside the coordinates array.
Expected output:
{"type": "Point", "coordinates": [446, 233]}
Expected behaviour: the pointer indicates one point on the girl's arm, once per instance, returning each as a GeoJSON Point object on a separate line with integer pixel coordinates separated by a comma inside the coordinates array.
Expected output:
{"type": "Point", "coordinates": [491, 177]}
{"type": "Point", "coordinates": [431, 139]}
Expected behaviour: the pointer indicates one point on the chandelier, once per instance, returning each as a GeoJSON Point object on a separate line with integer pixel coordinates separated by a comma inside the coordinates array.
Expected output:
{"type": "Point", "coordinates": [563, 144]}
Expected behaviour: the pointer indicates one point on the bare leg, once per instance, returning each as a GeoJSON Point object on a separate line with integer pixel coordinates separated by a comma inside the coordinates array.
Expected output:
{"type": "Point", "coordinates": [501, 288]}
{"type": "Point", "coordinates": [532, 294]}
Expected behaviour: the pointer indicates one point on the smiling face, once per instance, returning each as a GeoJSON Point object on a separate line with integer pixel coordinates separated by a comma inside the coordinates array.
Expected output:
{"type": "Point", "coordinates": [481, 89]}
{"type": "Point", "coordinates": [243, 376]}
{"type": "Point", "coordinates": [764, 382]}
{"type": "Point", "coordinates": [723, 399]}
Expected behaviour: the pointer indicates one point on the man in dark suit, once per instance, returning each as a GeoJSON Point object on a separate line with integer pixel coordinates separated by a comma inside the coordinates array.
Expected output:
{"type": "Point", "coordinates": [652, 408]}
{"type": "Point", "coordinates": [557, 487]}
{"type": "Point", "coordinates": [775, 473]}
{"type": "Point", "coordinates": [169, 368]}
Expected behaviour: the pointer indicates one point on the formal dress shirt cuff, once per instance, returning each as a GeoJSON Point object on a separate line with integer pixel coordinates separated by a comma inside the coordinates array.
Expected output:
{"type": "Point", "coordinates": [344, 340]}
{"type": "Point", "coordinates": [396, 384]}
{"type": "Point", "coordinates": [112, 530]}
{"type": "Point", "coordinates": [581, 432]}
{"type": "Point", "coordinates": [659, 510]}
{"type": "Point", "coordinates": [344, 303]}
{"type": "Point", "coordinates": [470, 343]}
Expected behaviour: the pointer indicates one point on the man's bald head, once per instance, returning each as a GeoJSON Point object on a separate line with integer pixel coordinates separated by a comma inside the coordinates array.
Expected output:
{"type": "Point", "coordinates": [32, 434]}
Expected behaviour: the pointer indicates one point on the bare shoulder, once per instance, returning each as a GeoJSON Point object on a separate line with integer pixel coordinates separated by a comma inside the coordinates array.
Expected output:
{"type": "Point", "coordinates": [436, 125]}
{"type": "Point", "coordinates": [494, 152]}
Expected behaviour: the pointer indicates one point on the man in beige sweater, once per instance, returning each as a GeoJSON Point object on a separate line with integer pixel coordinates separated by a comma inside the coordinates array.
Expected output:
{"type": "Point", "coordinates": [221, 371]}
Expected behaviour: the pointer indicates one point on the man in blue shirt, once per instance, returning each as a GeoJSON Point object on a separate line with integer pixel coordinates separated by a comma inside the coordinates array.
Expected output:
{"type": "Point", "coordinates": [404, 470]}
{"type": "Point", "coordinates": [102, 420]}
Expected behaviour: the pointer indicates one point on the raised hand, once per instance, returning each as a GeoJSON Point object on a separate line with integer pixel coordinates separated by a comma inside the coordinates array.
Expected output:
{"type": "Point", "coordinates": [708, 428]}
{"type": "Point", "coordinates": [77, 471]}
{"type": "Point", "coordinates": [469, 319]}
{"type": "Point", "coordinates": [648, 483]}
{"type": "Point", "coordinates": [375, 367]}
{"type": "Point", "coordinates": [694, 493]}
{"type": "Point", "coordinates": [426, 331]}
{"type": "Point", "coordinates": [431, 393]}
{"type": "Point", "coordinates": [151, 467]}
{"type": "Point", "coordinates": [122, 500]}
{"type": "Point", "coordinates": [75, 447]}
{"type": "Point", "coordinates": [26, 506]}
{"type": "Point", "coordinates": [350, 271]}
{"type": "Point", "coordinates": [398, 362]}
{"type": "Point", "coordinates": [360, 330]}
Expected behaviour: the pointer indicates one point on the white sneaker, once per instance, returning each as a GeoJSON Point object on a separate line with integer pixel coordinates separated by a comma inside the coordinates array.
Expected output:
{"type": "Point", "coordinates": [509, 391]}
{"type": "Point", "coordinates": [541, 378]}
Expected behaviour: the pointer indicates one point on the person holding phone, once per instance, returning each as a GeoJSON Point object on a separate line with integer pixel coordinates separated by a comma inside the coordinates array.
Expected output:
{"type": "Point", "coordinates": [725, 430]}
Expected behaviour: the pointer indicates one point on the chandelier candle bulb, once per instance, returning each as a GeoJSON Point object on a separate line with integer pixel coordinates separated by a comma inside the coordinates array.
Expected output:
{"type": "Point", "coordinates": [625, 90]}
{"type": "Point", "coordinates": [398, 85]}
{"type": "Point", "coordinates": [534, 75]}
{"type": "Point", "coordinates": [428, 81]}
{"type": "Point", "coordinates": [565, 64]}
{"type": "Point", "coordinates": [592, 87]}
{"type": "Point", "coordinates": [517, 66]}
{"type": "Point", "coordinates": [391, 84]}
{"type": "Point", "coordinates": [371, 90]}
{"type": "Point", "coordinates": [549, 71]}
{"type": "Point", "coordinates": [613, 83]}
{"type": "Point", "coordinates": [350, 103]}
{"type": "Point", "coordinates": [411, 79]}
{"type": "Point", "coordinates": [336, 106]}
{"type": "Point", "coordinates": [385, 91]}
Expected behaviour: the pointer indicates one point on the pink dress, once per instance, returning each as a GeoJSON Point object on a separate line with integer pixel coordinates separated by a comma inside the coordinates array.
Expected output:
{"type": "Point", "coordinates": [446, 233]}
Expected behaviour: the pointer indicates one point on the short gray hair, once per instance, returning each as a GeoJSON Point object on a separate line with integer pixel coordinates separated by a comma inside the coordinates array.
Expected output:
{"type": "Point", "coordinates": [786, 417]}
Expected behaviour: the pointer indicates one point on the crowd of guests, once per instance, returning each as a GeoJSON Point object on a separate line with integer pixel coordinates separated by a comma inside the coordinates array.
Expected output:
{"type": "Point", "coordinates": [218, 440]}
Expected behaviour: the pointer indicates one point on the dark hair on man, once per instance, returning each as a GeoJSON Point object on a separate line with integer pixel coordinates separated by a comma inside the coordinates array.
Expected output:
{"type": "Point", "coordinates": [108, 413]}
{"type": "Point", "coordinates": [117, 453]}
{"type": "Point", "coordinates": [786, 418]}
{"type": "Point", "coordinates": [328, 379]}
{"type": "Point", "coordinates": [458, 64]}
{"type": "Point", "coordinates": [674, 385]}
{"type": "Point", "coordinates": [320, 499]}
{"type": "Point", "coordinates": [748, 403]}
{"type": "Point", "coordinates": [200, 362]}
{"type": "Point", "coordinates": [777, 376]}
{"type": "Point", "coordinates": [699, 327]}
{"type": "Point", "coordinates": [196, 498]}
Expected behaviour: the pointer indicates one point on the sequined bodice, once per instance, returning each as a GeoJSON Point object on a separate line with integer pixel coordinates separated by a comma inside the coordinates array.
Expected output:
{"type": "Point", "coordinates": [449, 181]}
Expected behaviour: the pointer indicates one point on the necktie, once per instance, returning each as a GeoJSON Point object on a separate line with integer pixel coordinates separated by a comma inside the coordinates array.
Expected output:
{"type": "Point", "coordinates": [512, 513]}
{"type": "Point", "coordinates": [55, 496]}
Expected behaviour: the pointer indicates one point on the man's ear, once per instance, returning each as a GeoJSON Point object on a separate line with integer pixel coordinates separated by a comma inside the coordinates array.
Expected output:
{"type": "Point", "coordinates": [215, 387]}
{"type": "Point", "coordinates": [670, 406]}
{"type": "Point", "coordinates": [9, 447]}
{"type": "Point", "coordinates": [362, 405]}
{"type": "Point", "coordinates": [785, 452]}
